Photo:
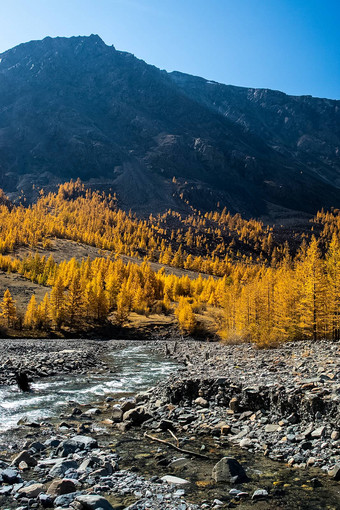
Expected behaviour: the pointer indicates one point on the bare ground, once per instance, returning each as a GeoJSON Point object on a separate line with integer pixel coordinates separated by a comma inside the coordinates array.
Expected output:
{"type": "Point", "coordinates": [64, 249]}
{"type": "Point", "coordinates": [21, 289]}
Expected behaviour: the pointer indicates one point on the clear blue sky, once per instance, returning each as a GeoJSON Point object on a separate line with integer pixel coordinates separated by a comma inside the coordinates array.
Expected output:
{"type": "Point", "coordinates": [289, 45]}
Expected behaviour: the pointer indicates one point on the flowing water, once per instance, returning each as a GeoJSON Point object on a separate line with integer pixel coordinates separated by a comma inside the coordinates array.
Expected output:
{"type": "Point", "coordinates": [133, 368]}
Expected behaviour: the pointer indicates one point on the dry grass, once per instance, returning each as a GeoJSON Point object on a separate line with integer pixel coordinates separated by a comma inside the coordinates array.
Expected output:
{"type": "Point", "coordinates": [142, 321]}
{"type": "Point", "coordinates": [21, 289]}
{"type": "Point", "coordinates": [64, 249]}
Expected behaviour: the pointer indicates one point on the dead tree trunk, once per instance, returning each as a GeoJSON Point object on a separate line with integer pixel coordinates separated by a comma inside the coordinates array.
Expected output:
{"type": "Point", "coordinates": [22, 381]}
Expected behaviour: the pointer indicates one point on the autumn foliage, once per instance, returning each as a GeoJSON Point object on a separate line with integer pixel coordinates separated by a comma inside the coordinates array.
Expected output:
{"type": "Point", "coordinates": [264, 290]}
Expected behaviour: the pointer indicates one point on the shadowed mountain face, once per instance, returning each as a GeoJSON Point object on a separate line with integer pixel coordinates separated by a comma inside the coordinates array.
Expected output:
{"type": "Point", "coordinates": [77, 108]}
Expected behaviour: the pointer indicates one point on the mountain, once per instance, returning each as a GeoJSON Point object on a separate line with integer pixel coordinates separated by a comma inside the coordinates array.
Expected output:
{"type": "Point", "coordinates": [75, 107]}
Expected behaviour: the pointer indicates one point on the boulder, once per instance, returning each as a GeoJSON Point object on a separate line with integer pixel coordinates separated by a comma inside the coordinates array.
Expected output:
{"type": "Point", "coordinates": [319, 432]}
{"type": "Point", "coordinates": [37, 446]}
{"type": "Point", "coordinates": [234, 404]}
{"type": "Point", "coordinates": [260, 494]}
{"type": "Point", "coordinates": [65, 500]}
{"type": "Point", "coordinates": [335, 435]}
{"type": "Point", "coordinates": [32, 491]}
{"type": "Point", "coordinates": [174, 480]}
{"type": "Point", "coordinates": [246, 442]}
{"type": "Point", "coordinates": [225, 429]}
{"type": "Point", "coordinates": [92, 412]}
{"type": "Point", "coordinates": [229, 470]}
{"type": "Point", "coordinates": [272, 427]}
{"type": "Point", "coordinates": [45, 500]}
{"type": "Point", "coordinates": [23, 466]}
{"type": "Point", "coordinates": [127, 406]}
{"type": "Point", "coordinates": [93, 502]}
{"type": "Point", "coordinates": [166, 425]}
{"type": "Point", "coordinates": [76, 443]}
{"type": "Point", "coordinates": [334, 472]}
{"type": "Point", "coordinates": [117, 415]}
{"type": "Point", "coordinates": [180, 463]}
{"type": "Point", "coordinates": [24, 456]}
{"type": "Point", "coordinates": [9, 475]}
{"type": "Point", "coordinates": [137, 416]}
{"type": "Point", "coordinates": [60, 468]}
{"type": "Point", "coordinates": [201, 402]}
{"type": "Point", "coordinates": [61, 486]}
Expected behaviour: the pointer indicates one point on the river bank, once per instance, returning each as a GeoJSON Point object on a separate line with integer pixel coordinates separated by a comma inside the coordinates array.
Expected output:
{"type": "Point", "coordinates": [284, 402]}
{"type": "Point", "coordinates": [231, 402]}
{"type": "Point", "coordinates": [40, 358]}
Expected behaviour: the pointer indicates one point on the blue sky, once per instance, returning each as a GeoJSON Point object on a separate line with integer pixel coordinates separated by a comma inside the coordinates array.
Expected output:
{"type": "Point", "coordinates": [288, 45]}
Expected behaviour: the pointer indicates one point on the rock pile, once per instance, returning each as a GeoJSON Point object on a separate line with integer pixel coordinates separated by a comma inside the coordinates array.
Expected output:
{"type": "Point", "coordinates": [284, 403]}
{"type": "Point", "coordinates": [73, 472]}
{"type": "Point", "coordinates": [47, 358]}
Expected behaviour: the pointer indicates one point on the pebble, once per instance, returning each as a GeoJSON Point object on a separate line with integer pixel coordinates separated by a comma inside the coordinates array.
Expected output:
{"type": "Point", "coordinates": [259, 494]}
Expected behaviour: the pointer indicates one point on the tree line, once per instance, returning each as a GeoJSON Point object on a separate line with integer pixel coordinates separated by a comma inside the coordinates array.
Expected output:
{"type": "Point", "coordinates": [280, 296]}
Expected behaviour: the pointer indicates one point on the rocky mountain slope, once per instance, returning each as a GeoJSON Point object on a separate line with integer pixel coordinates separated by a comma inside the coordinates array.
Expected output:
{"type": "Point", "coordinates": [79, 108]}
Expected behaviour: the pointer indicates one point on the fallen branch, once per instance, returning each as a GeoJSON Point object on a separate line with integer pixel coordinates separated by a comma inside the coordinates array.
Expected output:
{"type": "Point", "coordinates": [175, 438]}
{"type": "Point", "coordinates": [182, 450]}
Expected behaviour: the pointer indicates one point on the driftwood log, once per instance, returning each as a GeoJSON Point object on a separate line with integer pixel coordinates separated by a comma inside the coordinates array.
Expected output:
{"type": "Point", "coordinates": [182, 450]}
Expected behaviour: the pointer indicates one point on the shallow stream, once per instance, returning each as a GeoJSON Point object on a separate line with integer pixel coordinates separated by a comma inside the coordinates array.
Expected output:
{"type": "Point", "coordinates": [133, 369]}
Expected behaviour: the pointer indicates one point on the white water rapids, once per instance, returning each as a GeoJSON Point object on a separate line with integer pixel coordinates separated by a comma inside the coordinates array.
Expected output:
{"type": "Point", "coordinates": [135, 369]}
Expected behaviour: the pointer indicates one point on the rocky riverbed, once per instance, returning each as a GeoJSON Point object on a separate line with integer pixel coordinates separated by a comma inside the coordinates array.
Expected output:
{"type": "Point", "coordinates": [205, 438]}
{"type": "Point", "coordinates": [45, 358]}
{"type": "Point", "coordinates": [283, 402]}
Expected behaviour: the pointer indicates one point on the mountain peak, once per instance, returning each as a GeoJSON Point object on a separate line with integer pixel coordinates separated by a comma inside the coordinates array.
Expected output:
{"type": "Point", "coordinates": [75, 107]}
{"type": "Point", "coordinates": [57, 44]}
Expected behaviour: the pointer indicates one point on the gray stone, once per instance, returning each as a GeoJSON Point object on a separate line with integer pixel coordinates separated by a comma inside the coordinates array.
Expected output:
{"type": "Point", "coordinates": [32, 491]}
{"type": "Point", "coordinates": [272, 427]}
{"type": "Point", "coordinates": [93, 502]}
{"type": "Point", "coordinates": [61, 467]}
{"type": "Point", "coordinates": [60, 486]}
{"type": "Point", "coordinates": [229, 470]}
{"type": "Point", "coordinates": [66, 499]}
{"type": "Point", "coordinates": [7, 489]}
{"type": "Point", "coordinates": [137, 415]}
{"type": "Point", "coordinates": [46, 501]}
{"type": "Point", "coordinates": [24, 456]}
{"type": "Point", "coordinates": [259, 494]}
{"type": "Point", "coordinates": [92, 412]}
{"type": "Point", "coordinates": [179, 463]}
{"type": "Point", "coordinates": [76, 443]}
{"type": "Point", "coordinates": [10, 475]}
{"type": "Point", "coordinates": [334, 472]}
{"type": "Point", "coordinates": [37, 446]}
{"type": "Point", "coordinates": [246, 442]}
{"type": "Point", "coordinates": [166, 425]}
{"type": "Point", "coordinates": [53, 442]}
{"type": "Point", "coordinates": [117, 414]}
{"type": "Point", "coordinates": [174, 480]}
{"type": "Point", "coordinates": [319, 432]}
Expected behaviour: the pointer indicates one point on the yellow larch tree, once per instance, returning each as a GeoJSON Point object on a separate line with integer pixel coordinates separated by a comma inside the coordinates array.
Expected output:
{"type": "Point", "coordinates": [44, 313]}
{"type": "Point", "coordinates": [185, 316]}
{"type": "Point", "coordinates": [31, 315]}
{"type": "Point", "coordinates": [57, 302]}
{"type": "Point", "coordinates": [8, 310]}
